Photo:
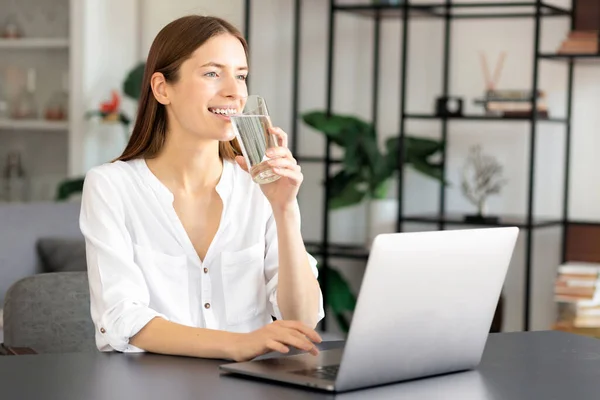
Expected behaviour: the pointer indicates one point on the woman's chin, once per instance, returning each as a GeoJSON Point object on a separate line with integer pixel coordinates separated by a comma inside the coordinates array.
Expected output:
{"type": "Point", "coordinates": [227, 136]}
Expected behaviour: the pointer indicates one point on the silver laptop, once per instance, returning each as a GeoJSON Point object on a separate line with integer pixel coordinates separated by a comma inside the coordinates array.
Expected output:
{"type": "Point", "coordinates": [425, 307]}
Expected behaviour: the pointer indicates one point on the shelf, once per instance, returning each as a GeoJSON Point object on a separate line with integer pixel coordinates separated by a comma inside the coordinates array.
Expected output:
{"type": "Point", "coordinates": [316, 159]}
{"type": "Point", "coordinates": [462, 10]}
{"type": "Point", "coordinates": [591, 58]}
{"type": "Point", "coordinates": [484, 118]}
{"type": "Point", "coordinates": [35, 43]}
{"type": "Point", "coordinates": [33, 125]}
{"type": "Point", "coordinates": [340, 251]}
{"type": "Point", "coordinates": [458, 219]}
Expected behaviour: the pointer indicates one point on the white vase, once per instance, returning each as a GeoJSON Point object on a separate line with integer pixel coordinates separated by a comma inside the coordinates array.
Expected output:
{"type": "Point", "coordinates": [347, 225]}
{"type": "Point", "coordinates": [382, 218]}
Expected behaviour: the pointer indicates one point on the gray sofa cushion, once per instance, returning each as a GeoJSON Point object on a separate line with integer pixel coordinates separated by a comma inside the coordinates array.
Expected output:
{"type": "Point", "coordinates": [21, 225]}
{"type": "Point", "coordinates": [61, 254]}
{"type": "Point", "coordinates": [50, 313]}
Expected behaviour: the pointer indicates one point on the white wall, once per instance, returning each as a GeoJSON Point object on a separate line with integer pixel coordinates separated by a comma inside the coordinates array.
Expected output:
{"type": "Point", "coordinates": [105, 46]}
{"type": "Point", "coordinates": [271, 70]}
{"type": "Point", "coordinates": [155, 14]}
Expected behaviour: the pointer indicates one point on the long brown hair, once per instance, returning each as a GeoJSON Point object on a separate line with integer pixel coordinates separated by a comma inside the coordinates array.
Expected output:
{"type": "Point", "coordinates": [174, 44]}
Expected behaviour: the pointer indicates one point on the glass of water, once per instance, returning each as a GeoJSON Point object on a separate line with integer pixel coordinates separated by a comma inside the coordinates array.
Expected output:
{"type": "Point", "coordinates": [251, 129]}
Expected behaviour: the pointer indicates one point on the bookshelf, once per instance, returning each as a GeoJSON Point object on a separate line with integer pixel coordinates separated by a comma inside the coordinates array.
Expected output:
{"type": "Point", "coordinates": [447, 12]}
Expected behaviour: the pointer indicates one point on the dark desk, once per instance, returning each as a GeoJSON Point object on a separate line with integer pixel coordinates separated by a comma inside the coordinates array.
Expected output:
{"type": "Point", "coordinates": [531, 366]}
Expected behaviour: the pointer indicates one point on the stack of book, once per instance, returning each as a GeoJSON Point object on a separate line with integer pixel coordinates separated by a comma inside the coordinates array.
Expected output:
{"type": "Point", "coordinates": [576, 292]}
{"type": "Point", "coordinates": [513, 103]}
{"type": "Point", "coordinates": [581, 42]}
{"type": "Point", "coordinates": [576, 281]}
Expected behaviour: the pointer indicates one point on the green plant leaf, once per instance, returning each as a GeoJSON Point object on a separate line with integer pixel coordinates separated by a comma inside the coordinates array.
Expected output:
{"type": "Point", "coordinates": [381, 190]}
{"type": "Point", "coordinates": [94, 113]}
{"type": "Point", "coordinates": [339, 128]}
{"type": "Point", "coordinates": [350, 196]}
{"type": "Point", "coordinates": [339, 295]}
{"type": "Point", "coordinates": [340, 298]}
{"type": "Point", "coordinates": [432, 170]}
{"type": "Point", "coordinates": [69, 187]}
{"type": "Point", "coordinates": [422, 147]}
{"type": "Point", "coordinates": [132, 86]}
{"type": "Point", "coordinates": [345, 190]}
{"type": "Point", "coordinates": [339, 182]}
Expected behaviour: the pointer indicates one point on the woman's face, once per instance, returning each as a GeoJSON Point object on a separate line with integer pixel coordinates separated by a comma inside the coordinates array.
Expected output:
{"type": "Point", "coordinates": [211, 86]}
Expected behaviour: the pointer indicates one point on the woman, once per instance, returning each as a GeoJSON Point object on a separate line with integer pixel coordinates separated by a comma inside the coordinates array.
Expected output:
{"type": "Point", "coordinates": [186, 254]}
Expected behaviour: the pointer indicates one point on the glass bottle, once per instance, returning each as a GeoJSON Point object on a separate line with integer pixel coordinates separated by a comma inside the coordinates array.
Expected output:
{"type": "Point", "coordinates": [3, 101]}
{"type": "Point", "coordinates": [57, 108]}
{"type": "Point", "coordinates": [11, 29]}
{"type": "Point", "coordinates": [25, 105]}
{"type": "Point", "coordinates": [14, 178]}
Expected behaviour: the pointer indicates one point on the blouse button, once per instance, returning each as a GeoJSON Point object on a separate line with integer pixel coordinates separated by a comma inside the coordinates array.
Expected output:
{"type": "Point", "coordinates": [205, 270]}
{"type": "Point", "coordinates": [102, 330]}
{"type": "Point", "coordinates": [207, 305]}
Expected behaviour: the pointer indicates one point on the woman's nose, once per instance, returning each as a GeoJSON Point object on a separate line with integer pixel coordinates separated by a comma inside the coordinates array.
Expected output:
{"type": "Point", "coordinates": [233, 87]}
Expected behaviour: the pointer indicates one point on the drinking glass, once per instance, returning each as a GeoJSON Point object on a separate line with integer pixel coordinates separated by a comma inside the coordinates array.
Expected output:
{"type": "Point", "coordinates": [251, 129]}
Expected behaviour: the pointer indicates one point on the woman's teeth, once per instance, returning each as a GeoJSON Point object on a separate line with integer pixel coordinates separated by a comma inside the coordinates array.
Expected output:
{"type": "Point", "coordinates": [223, 111]}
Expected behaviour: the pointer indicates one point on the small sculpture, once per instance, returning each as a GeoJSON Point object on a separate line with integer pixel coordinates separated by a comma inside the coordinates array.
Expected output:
{"type": "Point", "coordinates": [481, 177]}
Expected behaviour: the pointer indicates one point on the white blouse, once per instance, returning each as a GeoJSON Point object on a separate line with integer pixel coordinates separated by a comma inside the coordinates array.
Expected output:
{"type": "Point", "coordinates": [142, 264]}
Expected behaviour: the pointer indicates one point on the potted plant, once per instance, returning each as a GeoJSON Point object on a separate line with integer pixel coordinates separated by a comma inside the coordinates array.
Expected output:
{"type": "Point", "coordinates": [108, 111]}
{"type": "Point", "coordinates": [365, 176]}
{"type": "Point", "coordinates": [366, 169]}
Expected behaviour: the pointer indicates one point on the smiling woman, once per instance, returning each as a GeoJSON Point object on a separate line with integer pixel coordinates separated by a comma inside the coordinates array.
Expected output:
{"type": "Point", "coordinates": [186, 254]}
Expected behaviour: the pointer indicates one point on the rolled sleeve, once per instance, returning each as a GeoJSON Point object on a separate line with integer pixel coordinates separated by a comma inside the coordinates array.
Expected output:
{"type": "Point", "coordinates": [119, 296]}
{"type": "Point", "coordinates": [272, 268]}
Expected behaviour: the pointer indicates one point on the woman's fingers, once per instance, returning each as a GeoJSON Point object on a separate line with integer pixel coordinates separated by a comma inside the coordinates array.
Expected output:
{"type": "Point", "coordinates": [284, 163]}
{"type": "Point", "coordinates": [277, 346]}
{"type": "Point", "coordinates": [305, 330]}
{"type": "Point", "coordinates": [282, 137]}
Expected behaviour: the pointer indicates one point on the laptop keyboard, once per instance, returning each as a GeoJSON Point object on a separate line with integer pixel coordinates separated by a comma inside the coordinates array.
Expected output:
{"type": "Point", "coordinates": [328, 372]}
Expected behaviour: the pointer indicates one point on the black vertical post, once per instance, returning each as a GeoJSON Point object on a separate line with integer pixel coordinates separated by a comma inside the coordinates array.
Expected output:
{"type": "Point", "coordinates": [296, 75]}
{"type": "Point", "coordinates": [401, 122]}
{"type": "Point", "coordinates": [329, 104]}
{"type": "Point", "coordinates": [375, 87]}
{"type": "Point", "coordinates": [247, 16]}
{"type": "Point", "coordinates": [567, 177]}
{"type": "Point", "coordinates": [445, 90]}
{"type": "Point", "coordinates": [532, 144]}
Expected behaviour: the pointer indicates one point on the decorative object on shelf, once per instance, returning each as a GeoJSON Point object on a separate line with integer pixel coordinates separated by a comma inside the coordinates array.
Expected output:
{"type": "Point", "coordinates": [491, 81]}
{"type": "Point", "coordinates": [581, 42]}
{"type": "Point", "coordinates": [108, 111]}
{"type": "Point", "coordinates": [11, 29]}
{"type": "Point", "coordinates": [449, 106]}
{"type": "Point", "coordinates": [513, 103]}
{"type": "Point", "coordinates": [388, 2]}
{"type": "Point", "coordinates": [367, 171]}
{"type": "Point", "coordinates": [507, 103]}
{"type": "Point", "coordinates": [481, 178]}
{"type": "Point", "coordinates": [14, 179]}
{"type": "Point", "coordinates": [25, 106]}
{"type": "Point", "coordinates": [587, 15]}
{"type": "Point", "coordinates": [57, 108]}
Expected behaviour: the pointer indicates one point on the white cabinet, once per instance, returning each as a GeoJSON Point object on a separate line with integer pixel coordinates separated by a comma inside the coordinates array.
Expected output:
{"type": "Point", "coordinates": [93, 43]}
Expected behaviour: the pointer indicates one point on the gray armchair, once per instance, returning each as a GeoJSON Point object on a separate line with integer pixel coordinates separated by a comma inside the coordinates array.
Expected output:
{"type": "Point", "coordinates": [49, 313]}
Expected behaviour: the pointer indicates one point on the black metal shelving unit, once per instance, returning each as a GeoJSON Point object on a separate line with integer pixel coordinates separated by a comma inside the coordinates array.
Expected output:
{"type": "Point", "coordinates": [447, 12]}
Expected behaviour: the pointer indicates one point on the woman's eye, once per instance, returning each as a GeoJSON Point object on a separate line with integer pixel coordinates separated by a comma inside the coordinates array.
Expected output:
{"type": "Point", "coordinates": [242, 77]}
{"type": "Point", "coordinates": [211, 74]}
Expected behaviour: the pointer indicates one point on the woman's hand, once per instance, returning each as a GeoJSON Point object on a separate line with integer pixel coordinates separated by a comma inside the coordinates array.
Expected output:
{"type": "Point", "coordinates": [276, 336]}
{"type": "Point", "coordinates": [281, 193]}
